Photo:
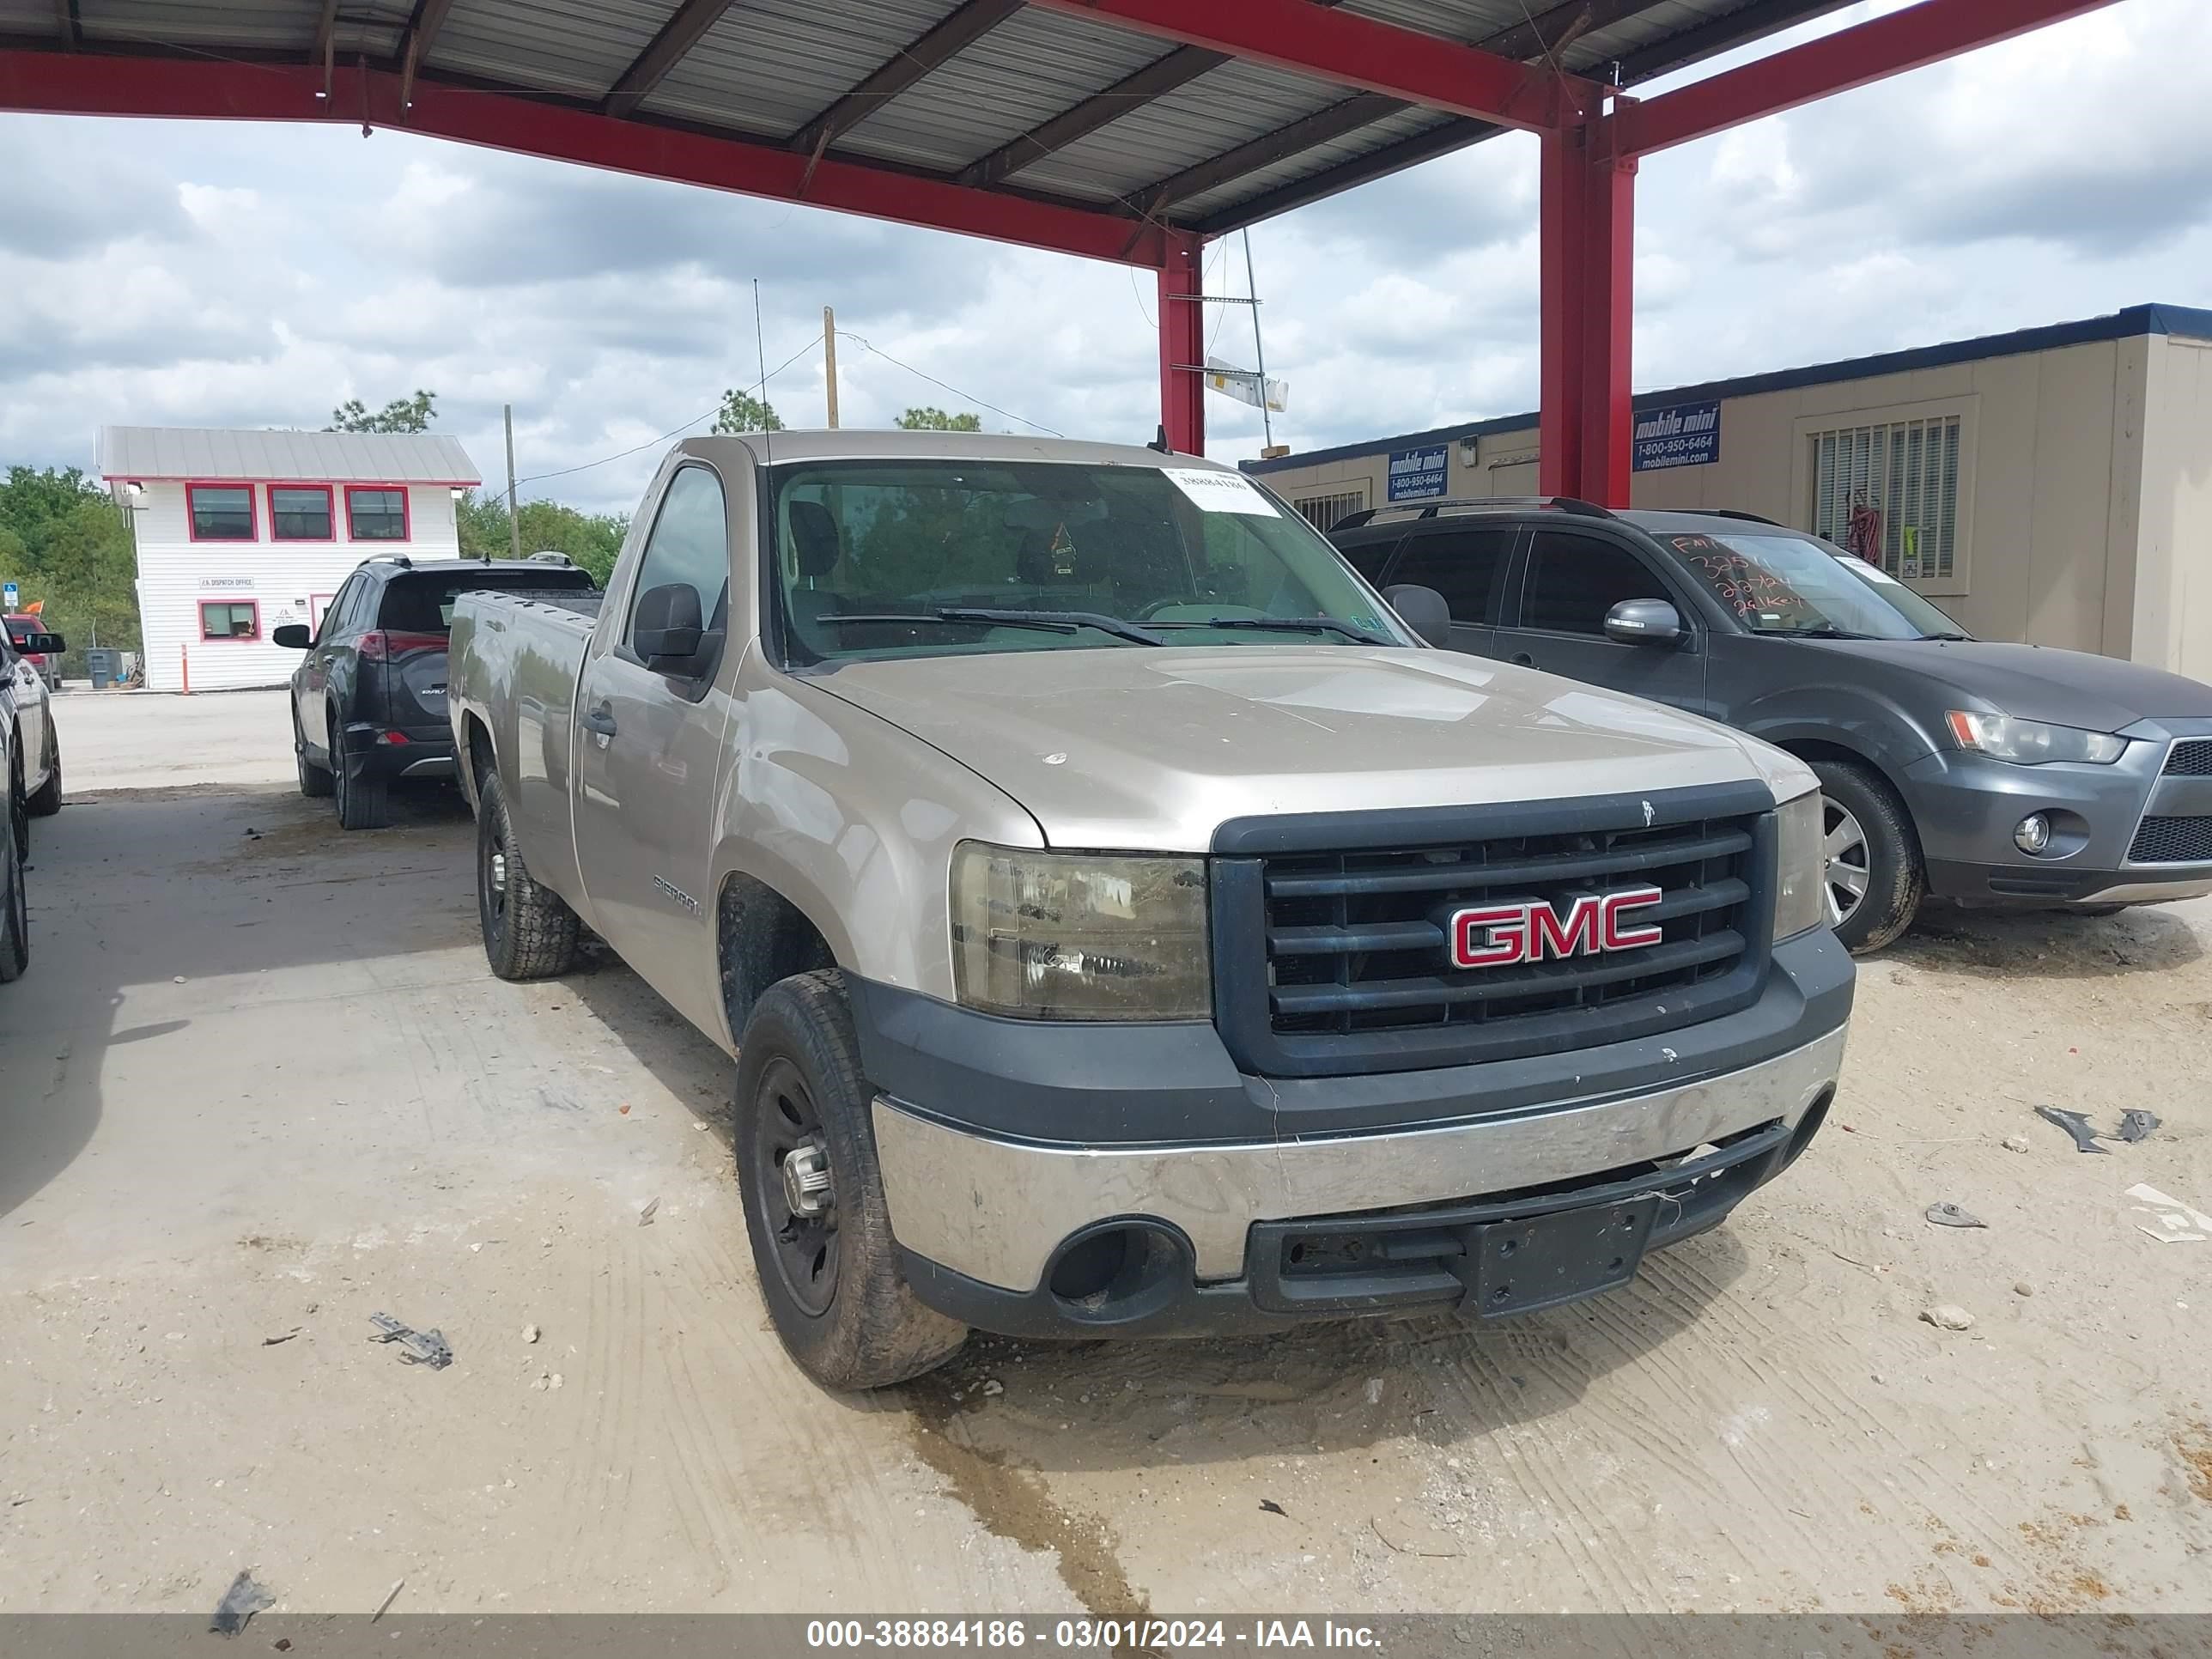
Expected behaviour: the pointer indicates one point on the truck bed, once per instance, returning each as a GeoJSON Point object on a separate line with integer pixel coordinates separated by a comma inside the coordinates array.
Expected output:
{"type": "Point", "coordinates": [583, 601]}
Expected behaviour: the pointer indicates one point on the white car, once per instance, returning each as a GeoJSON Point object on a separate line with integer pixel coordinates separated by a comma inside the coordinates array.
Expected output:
{"type": "Point", "coordinates": [26, 706]}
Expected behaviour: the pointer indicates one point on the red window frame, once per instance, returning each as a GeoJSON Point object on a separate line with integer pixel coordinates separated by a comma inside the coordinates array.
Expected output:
{"type": "Point", "coordinates": [252, 509]}
{"type": "Point", "coordinates": [199, 613]}
{"type": "Point", "coordinates": [330, 497]}
{"type": "Point", "coordinates": [406, 513]}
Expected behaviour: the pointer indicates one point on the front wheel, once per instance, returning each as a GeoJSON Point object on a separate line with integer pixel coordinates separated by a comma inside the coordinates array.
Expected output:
{"type": "Point", "coordinates": [813, 1196]}
{"type": "Point", "coordinates": [1873, 880]}
{"type": "Point", "coordinates": [529, 930]}
{"type": "Point", "coordinates": [14, 903]}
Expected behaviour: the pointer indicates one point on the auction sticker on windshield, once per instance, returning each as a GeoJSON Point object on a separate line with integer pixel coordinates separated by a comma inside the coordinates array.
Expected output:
{"type": "Point", "coordinates": [1220, 492]}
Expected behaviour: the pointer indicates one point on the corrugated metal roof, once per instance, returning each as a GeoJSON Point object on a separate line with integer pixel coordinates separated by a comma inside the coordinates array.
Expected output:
{"type": "Point", "coordinates": [205, 453]}
{"type": "Point", "coordinates": [765, 69]}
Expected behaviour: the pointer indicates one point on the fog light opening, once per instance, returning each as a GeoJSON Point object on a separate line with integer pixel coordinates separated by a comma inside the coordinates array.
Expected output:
{"type": "Point", "coordinates": [1120, 1272]}
{"type": "Point", "coordinates": [1808, 1127]}
{"type": "Point", "coordinates": [2032, 834]}
{"type": "Point", "coordinates": [1091, 1266]}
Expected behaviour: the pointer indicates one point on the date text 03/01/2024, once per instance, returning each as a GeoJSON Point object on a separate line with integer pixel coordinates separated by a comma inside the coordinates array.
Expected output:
{"type": "Point", "coordinates": [1081, 1634]}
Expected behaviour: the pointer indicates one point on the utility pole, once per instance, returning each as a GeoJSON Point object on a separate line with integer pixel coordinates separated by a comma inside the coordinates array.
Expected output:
{"type": "Point", "coordinates": [830, 358]}
{"type": "Point", "coordinates": [513, 524]}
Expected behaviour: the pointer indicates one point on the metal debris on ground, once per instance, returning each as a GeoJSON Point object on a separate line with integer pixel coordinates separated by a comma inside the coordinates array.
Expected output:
{"type": "Point", "coordinates": [415, 1347]}
{"type": "Point", "coordinates": [390, 1597]}
{"type": "Point", "coordinates": [1272, 1508]}
{"type": "Point", "coordinates": [2136, 1125]}
{"type": "Point", "coordinates": [271, 1341]}
{"type": "Point", "coordinates": [645, 1215]}
{"type": "Point", "coordinates": [240, 1602]}
{"type": "Point", "coordinates": [1950, 1215]}
{"type": "Point", "coordinates": [2075, 1124]}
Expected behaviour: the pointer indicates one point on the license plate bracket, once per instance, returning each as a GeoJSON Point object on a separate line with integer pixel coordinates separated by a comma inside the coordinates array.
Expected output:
{"type": "Point", "coordinates": [1518, 1267]}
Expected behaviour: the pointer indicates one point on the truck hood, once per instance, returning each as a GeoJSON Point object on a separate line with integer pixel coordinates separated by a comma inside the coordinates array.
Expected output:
{"type": "Point", "coordinates": [2035, 682]}
{"type": "Point", "coordinates": [1151, 749]}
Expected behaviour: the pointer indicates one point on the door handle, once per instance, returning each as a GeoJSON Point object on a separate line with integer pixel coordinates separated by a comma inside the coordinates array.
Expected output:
{"type": "Point", "coordinates": [601, 719]}
{"type": "Point", "coordinates": [1522, 659]}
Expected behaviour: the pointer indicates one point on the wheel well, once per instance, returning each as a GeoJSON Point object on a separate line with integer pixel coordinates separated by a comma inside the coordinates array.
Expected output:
{"type": "Point", "coordinates": [762, 936]}
{"type": "Point", "coordinates": [481, 758]}
{"type": "Point", "coordinates": [1817, 748]}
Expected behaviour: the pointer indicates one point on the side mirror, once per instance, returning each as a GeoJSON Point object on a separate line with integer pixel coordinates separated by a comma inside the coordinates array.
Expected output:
{"type": "Point", "coordinates": [1643, 621]}
{"type": "Point", "coordinates": [43, 645]}
{"type": "Point", "coordinates": [668, 627]}
{"type": "Point", "coordinates": [292, 636]}
{"type": "Point", "coordinates": [1424, 611]}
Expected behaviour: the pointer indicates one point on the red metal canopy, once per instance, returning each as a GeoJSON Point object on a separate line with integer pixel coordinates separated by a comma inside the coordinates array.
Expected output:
{"type": "Point", "coordinates": [1130, 131]}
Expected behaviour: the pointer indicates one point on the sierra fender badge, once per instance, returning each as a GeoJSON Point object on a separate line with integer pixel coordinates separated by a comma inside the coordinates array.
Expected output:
{"type": "Point", "coordinates": [677, 894]}
{"type": "Point", "coordinates": [1498, 935]}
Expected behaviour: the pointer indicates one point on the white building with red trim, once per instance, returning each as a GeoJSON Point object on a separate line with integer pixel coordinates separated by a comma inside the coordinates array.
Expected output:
{"type": "Point", "coordinates": [239, 532]}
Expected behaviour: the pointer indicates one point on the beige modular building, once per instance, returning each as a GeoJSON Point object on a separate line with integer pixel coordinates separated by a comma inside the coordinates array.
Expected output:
{"type": "Point", "coordinates": [2052, 485]}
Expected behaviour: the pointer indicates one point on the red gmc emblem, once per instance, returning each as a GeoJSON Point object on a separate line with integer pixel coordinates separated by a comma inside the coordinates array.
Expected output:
{"type": "Point", "coordinates": [1493, 935]}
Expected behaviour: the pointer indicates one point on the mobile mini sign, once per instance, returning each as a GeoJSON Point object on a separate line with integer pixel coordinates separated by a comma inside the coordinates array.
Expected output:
{"type": "Point", "coordinates": [1687, 435]}
{"type": "Point", "coordinates": [1418, 472]}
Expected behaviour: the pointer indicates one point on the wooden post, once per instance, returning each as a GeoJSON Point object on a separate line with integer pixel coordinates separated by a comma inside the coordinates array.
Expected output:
{"type": "Point", "coordinates": [514, 523]}
{"type": "Point", "coordinates": [185, 659]}
{"type": "Point", "coordinates": [829, 359]}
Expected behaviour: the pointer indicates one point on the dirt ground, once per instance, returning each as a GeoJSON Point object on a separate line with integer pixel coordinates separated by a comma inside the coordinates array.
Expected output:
{"type": "Point", "coordinates": [258, 1085]}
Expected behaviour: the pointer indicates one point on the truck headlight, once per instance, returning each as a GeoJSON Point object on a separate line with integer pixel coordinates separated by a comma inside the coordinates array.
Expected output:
{"type": "Point", "coordinates": [1079, 935]}
{"type": "Point", "coordinates": [2031, 743]}
{"type": "Point", "coordinates": [1800, 865]}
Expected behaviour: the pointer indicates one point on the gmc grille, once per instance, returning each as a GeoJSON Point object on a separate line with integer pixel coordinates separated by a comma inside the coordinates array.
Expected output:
{"type": "Point", "coordinates": [1332, 954]}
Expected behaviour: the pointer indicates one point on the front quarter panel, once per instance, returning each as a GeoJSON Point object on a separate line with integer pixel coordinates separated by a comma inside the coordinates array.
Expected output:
{"type": "Point", "coordinates": [854, 821]}
{"type": "Point", "coordinates": [1786, 694]}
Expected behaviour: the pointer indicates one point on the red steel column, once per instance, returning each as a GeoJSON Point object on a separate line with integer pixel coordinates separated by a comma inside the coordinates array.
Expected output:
{"type": "Point", "coordinates": [1587, 269]}
{"type": "Point", "coordinates": [1183, 345]}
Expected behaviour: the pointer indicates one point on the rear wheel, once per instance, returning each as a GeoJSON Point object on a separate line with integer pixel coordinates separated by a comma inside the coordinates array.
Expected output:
{"type": "Point", "coordinates": [1873, 881]}
{"type": "Point", "coordinates": [813, 1196]}
{"type": "Point", "coordinates": [14, 904]}
{"type": "Point", "coordinates": [315, 781]}
{"type": "Point", "coordinates": [363, 800]}
{"type": "Point", "coordinates": [529, 930]}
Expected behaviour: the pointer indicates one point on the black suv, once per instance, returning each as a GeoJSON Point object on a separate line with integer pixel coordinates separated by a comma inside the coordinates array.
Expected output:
{"type": "Point", "coordinates": [368, 704]}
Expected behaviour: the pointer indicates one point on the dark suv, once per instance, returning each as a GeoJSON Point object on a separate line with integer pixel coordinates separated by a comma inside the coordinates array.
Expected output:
{"type": "Point", "coordinates": [368, 704]}
{"type": "Point", "coordinates": [1952, 768]}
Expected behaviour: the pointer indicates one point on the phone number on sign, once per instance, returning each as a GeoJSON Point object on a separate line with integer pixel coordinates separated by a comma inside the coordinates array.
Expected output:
{"type": "Point", "coordinates": [1070, 1633]}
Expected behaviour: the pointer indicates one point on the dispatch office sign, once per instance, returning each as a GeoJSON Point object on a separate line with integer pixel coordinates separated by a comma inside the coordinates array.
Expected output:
{"type": "Point", "coordinates": [1687, 435]}
{"type": "Point", "coordinates": [1418, 472]}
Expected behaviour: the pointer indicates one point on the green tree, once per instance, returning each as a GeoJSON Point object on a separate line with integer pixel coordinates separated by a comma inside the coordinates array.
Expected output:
{"type": "Point", "coordinates": [592, 539]}
{"type": "Point", "coordinates": [929, 417]}
{"type": "Point", "coordinates": [742, 412]}
{"type": "Point", "coordinates": [412, 414]}
{"type": "Point", "coordinates": [68, 547]}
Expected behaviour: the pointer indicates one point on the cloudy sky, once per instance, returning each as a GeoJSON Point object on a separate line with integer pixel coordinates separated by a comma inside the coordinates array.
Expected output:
{"type": "Point", "coordinates": [155, 272]}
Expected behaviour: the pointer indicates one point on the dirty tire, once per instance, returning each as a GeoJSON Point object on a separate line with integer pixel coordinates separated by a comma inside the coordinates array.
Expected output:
{"type": "Point", "coordinates": [48, 800]}
{"type": "Point", "coordinates": [15, 905]}
{"type": "Point", "coordinates": [364, 801]}
{"type": "Point", "coordinates": [529, 930]}
{"type": "Point", "coordinates": [874, 1331]}
{"type": "Point", "coordinates": [315, 781]}
{"type": "Point", "coordinates": [1896, 881]}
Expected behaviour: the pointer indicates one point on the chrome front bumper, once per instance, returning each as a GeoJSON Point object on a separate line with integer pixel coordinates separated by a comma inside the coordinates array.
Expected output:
{"type": "Point", "coordinates": [996, 1210]}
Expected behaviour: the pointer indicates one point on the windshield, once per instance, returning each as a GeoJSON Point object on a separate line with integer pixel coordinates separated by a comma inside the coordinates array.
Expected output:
{"type": "Point", "coordinates": [1774, 582]}
{"type": "Point", "coordinates": [896, 559]}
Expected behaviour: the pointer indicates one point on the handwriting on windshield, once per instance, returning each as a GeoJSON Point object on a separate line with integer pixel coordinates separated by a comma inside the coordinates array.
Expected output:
{"type": "Point", "coordinates": [1750, 589]}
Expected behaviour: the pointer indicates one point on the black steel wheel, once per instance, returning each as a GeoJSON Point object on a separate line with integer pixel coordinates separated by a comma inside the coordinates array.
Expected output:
{"type": "Point", "coordinates": [790, 1170]}
{"type": "Point", "coordinates": [813, 1196]}
{"type": "Point", "coordinates": [529, 930]}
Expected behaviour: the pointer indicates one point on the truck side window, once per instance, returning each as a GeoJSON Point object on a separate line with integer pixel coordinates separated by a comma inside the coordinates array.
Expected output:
{"type": "Point", "coordinates": [1468, 567]}
{"type": "Point", "coordinates": [689, 545]}
{"type": "Point", "coordinates": [1573, 580]}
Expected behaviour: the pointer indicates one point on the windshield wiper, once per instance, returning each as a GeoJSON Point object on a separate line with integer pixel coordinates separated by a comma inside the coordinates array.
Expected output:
{"type": "Point", "coordinates": [1284, 625]}
{"type": "Point", "coordinates": [1953, 637]}
{"type": "Point", "coordinates": [1823, 632]}
{"type": "Point", "coordinates": [1057, 621]}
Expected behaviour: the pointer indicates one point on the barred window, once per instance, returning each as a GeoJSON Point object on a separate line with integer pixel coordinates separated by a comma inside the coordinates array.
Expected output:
{"type": "Point", "coordinates": [1323, 511]}
{"type": "Point", "coordinates": [1905, 470]}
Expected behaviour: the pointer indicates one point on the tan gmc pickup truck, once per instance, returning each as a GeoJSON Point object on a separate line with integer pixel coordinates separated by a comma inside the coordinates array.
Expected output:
{"type": "Point", "coordinates": [1125, 922]}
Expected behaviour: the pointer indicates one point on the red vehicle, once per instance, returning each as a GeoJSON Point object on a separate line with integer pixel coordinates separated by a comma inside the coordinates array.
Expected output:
{"type": "Point", "coordinates": [20, 629]}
